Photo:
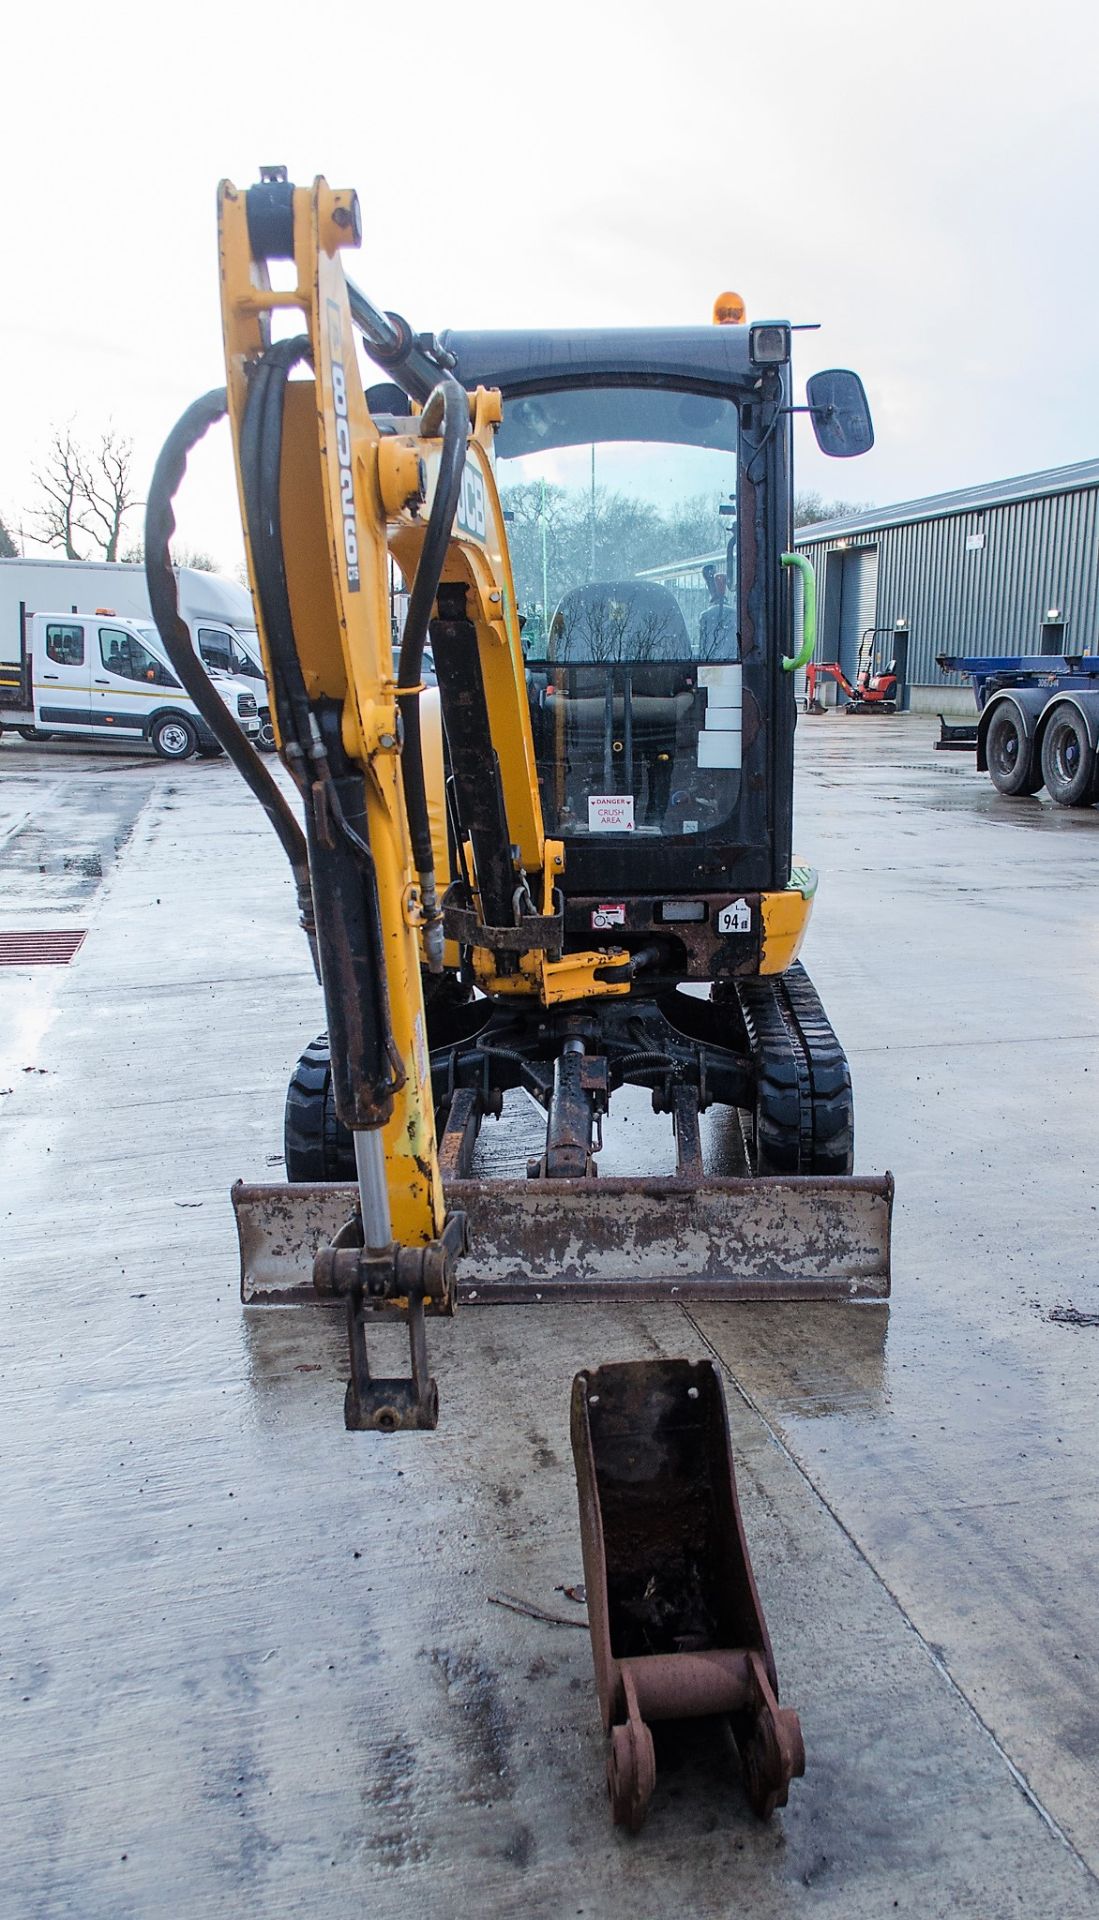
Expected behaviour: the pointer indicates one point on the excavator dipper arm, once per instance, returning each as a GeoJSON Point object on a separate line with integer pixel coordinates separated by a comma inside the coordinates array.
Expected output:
{"type": "Point", "coordinates": [328, 494]}
{"type": "Point", "coordinates": [319, 486]}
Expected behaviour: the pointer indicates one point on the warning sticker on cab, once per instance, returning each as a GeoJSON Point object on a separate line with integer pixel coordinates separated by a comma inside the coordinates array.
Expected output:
{"type": "Point", "coordinates": [613, 915]}
{"type": "Point", "coordinates": [610, 813]}
{"type": "Point", "coordinates": [735, 918]}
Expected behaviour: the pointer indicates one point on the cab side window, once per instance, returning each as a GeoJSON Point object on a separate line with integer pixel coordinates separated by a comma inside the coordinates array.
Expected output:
{"type": "Point", "coordinates": [123, 653]}
{"type": "Point", "coordinates": [65, 644]}
{"type": "Point", "coordinates": [219, 649]}
{"type": "Point", "coordinates": [214, 648]}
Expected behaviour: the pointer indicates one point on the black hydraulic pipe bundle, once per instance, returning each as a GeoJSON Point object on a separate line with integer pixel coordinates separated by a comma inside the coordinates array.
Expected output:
{"type": "Point", "coordinates": [160, 525]}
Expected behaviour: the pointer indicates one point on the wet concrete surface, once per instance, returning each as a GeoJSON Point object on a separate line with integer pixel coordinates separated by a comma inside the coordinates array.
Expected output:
{"type": "Point", "coordinates": [252, 1664]}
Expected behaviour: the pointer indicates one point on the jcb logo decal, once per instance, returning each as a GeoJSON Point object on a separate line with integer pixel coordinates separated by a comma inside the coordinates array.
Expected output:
{"type": "Point", "coordinates": [343, 447]}
{"type": "Point", "coordinates": [471, 515]}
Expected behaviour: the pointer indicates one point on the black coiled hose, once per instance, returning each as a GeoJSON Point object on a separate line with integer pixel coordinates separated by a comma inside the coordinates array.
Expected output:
{"type": "Point", "coordinates": [160, 525]}
{"type": "Point", "coordinates": [261, 457]}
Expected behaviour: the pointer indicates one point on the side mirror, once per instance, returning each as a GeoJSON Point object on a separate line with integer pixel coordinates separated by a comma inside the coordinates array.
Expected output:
{"type": "Point", "coordinates": [839, 412]}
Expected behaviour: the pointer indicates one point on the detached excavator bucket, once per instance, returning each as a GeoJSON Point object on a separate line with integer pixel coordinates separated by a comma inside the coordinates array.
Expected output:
{"type": "Point", "coordinates": [805, 1238]}
{"type": "Point", "coordinates": [677, 1630]}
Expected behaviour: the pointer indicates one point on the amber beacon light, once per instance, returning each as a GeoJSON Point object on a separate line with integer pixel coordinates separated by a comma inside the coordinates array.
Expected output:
{"type": "Point", "coordinates": [728, 310]}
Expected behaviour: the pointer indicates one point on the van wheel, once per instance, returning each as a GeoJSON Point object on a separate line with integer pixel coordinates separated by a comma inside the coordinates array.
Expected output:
{"type": "Point", "coordinates": [33, 733]}
{"type": "Point", "coordinates": [265, 738]}
{"type": "Point", "coordinates": [173, 737]}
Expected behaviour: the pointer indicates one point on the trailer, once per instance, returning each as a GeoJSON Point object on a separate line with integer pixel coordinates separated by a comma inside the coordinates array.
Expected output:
{"type": "Point", "coordinates": [1037, 725]}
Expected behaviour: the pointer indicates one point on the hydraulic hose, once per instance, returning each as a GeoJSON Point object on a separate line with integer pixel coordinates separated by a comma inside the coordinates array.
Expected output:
{"type": "Point", "coordinates": [452, 402]}
{"type": "Point", "coordinates": [261, 467]}
{"type": "Point", "coordinates": [331, 791]}
{"type": "Point", "coordinates": [160, 525]}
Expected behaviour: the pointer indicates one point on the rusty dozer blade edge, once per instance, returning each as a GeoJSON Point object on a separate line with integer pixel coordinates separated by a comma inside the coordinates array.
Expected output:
{"type": "Point", "coordinates": [801, 1238]}
{"type": "Point", "coordinates": [677, 1629]}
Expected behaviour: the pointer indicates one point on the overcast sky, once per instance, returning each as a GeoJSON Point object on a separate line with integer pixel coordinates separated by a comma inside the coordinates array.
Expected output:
{"type": "Point", "coordinates": [921, 179]}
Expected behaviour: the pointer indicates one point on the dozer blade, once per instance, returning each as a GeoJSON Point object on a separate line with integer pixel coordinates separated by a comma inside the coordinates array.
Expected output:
{"type": "Point", "coordinates": [677, 1630]}
{"type": "Point", "coordinates": [800, 1238]}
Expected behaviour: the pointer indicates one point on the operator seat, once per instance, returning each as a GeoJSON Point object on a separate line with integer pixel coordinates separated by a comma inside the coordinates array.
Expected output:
{"type": "Point", "coordinates": [618, 623]}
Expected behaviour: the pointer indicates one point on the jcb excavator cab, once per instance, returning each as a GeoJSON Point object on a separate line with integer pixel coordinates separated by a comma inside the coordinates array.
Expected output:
{"type": "Point", "coordinates": [663, 718]}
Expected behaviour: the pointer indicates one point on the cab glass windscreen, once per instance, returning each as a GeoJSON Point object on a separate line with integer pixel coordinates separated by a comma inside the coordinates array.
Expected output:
{"type": "Point", "coordinates": [621, 517]}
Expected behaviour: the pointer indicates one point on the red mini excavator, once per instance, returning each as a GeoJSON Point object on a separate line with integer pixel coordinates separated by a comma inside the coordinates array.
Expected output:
{"type": "Point", "coordinates": [875, 687]}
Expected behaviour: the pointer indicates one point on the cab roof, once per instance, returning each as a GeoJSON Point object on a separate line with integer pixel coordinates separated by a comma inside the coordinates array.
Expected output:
{"type": "Point", "coordinates": [565, 388]}
{"type": "Point", "coordinates": [517, 361]}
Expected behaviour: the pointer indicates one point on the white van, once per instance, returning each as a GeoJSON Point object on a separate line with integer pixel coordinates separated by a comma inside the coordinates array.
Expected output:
{"type": "Point", "coordinates": [217, 612]}
{"type": "Point", "coordinates": [96, 675]}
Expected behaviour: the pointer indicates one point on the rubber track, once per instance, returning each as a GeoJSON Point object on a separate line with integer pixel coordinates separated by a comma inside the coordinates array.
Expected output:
{"type": "Point", "coordinates": [804, 1114]}
{"type": "Point", "coordinates": [316, 1147]}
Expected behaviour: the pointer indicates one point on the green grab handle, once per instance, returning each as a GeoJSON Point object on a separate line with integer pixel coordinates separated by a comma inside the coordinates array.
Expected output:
{"type": "Point", "coordinates": [791, 663]}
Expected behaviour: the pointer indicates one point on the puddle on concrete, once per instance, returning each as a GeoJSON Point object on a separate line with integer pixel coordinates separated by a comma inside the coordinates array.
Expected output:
{"type": "Point", "coordinates": [59, 855]}
{"type": "Point", "coordinates": [1034, 813]}
{"type": "Point", "coordinates": [27, 1012]}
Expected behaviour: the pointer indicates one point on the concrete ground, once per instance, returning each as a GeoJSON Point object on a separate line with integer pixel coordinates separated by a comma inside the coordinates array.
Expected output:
{"type": "Point", "coordinates": [251, 1664]}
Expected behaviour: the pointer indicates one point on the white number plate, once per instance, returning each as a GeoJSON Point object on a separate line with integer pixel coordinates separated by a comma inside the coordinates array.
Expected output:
{"type": "Point", "coordinates": [735, 918]}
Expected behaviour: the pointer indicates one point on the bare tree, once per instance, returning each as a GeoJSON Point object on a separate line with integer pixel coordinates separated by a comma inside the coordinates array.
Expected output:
{"type": "Point", "coordinates": [108, 494]}
{"type": "Point", "coordinates": [87, 493]}
{"type": "Point", "coordinates": [811, 508]}
{"type": "Point", "coordinates": [59, 481]}
{"type": "Point", "coordinates": [195, 557]}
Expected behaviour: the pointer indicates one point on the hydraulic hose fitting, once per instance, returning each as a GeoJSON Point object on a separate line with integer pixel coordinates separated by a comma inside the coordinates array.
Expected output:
{"type": "Point", "coordinates": [432, 923]}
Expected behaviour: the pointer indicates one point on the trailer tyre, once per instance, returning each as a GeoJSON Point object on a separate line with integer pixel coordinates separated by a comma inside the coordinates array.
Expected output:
{"type": "Point", "coordinates": [1010, 755]}
{"type": "Point", "coordinates": [1068, 758]}
{"type": "Point", "coordinates": [173, 737]}
{"type": "Point", "coordinates": [33, 733]}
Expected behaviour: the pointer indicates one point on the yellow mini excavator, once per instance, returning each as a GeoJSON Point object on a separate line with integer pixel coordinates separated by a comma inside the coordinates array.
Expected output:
{"type": "Point", "coordinates": [542, 741]}
{"type": "Point", "coordinates": [547, 830]}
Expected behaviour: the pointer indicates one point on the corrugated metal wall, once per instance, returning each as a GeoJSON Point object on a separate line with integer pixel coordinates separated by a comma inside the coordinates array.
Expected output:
{"type": "Point", "coordinates": [980, 582]}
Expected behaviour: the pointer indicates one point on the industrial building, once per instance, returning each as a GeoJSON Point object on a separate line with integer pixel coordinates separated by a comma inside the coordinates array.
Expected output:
{"type": "Point", "coordinates": [1009, 567]}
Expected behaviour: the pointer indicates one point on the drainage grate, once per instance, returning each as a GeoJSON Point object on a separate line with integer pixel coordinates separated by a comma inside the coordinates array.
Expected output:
{"type": "Point", "coordinates": [40, 949]}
